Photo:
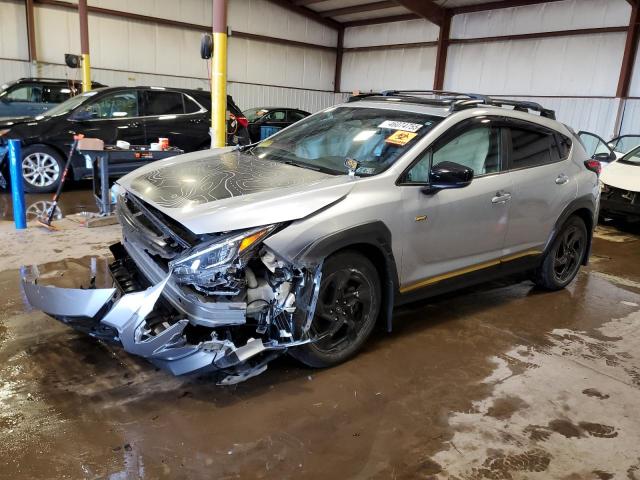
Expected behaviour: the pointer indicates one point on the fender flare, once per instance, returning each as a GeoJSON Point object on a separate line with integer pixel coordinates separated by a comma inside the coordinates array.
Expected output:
{"type": "Point", "coordinates": [372, 234]}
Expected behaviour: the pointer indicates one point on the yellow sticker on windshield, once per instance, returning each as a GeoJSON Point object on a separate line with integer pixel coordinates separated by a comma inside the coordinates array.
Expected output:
{"type": "Point", "coordinates": [400, 137]}
{"type": "Point", "coordinates": [266, 143]}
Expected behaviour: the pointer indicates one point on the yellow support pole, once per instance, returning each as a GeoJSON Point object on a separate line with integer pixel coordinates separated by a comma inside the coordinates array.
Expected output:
{"type": "Point", "coordinates": [86, 73]}
{"type": "Point", "coordinates": [219, 75]}
{"type": "Point", "coordinates": [84, 45]}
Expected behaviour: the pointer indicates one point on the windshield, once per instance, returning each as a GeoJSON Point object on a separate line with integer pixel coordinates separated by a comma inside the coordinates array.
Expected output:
{"type": "Point", "coordinates": [4, 87]}
{"type": "Point", "coordinates": [254, 113]}
{"type": "Point", "coordinates": [69, 105]}
{"type": "Point", "coordinates": [631, 158]}
{"type": "Point", "coordinates": [375, 138]}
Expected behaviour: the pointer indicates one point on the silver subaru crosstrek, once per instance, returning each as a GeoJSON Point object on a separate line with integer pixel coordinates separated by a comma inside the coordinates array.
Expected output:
{"type": "Point", "coordinates": [301, 242]}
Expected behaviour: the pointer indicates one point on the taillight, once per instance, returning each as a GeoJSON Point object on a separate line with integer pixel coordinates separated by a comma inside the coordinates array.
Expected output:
{"type": "Point", "coordinates": [243, 121]}
{"type": "Point", "coordinates": [594, 166]}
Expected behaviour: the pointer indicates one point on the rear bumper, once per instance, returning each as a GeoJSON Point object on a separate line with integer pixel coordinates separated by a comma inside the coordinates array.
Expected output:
{"type": "Point", "coordinates": [143, 323]}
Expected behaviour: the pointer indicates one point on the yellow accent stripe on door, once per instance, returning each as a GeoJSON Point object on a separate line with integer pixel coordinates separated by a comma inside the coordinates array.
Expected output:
{"type": "Point", "coordinates": [462, 271]}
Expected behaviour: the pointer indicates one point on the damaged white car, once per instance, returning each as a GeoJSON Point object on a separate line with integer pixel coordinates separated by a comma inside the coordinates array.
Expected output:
{"type": "Point", "coordinates": [301, 242]}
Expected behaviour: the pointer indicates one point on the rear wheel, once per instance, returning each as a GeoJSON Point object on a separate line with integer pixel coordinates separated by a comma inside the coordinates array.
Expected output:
{"type": "Point", "coordinates": [562, 261]}
{"type": "Point", "coordinates": [41, 169]}
{"type": "Point", "coordinates": [346, 311]}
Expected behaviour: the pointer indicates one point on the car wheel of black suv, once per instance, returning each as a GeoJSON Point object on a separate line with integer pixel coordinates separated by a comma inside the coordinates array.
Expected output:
{"type": "Point", "coordinates": [42, 169]}
{"type": "Point", "coordinates": [346, 311]}
{"type": "Point", "coordinates": [562, 261]}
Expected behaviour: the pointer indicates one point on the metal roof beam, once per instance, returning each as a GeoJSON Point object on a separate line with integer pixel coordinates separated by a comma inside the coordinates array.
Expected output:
{"type": "Point", "coordinates": [426, 9]}
{"type": "Point", "coordinates": [366, 7]}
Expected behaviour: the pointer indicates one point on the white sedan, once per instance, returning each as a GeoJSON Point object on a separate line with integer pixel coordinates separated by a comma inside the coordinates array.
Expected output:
{"type": "Point", "coordinates": [620, 184]}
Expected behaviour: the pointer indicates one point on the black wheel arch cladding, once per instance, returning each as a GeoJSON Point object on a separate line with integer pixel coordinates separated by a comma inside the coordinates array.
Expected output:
{"type": "Point", "coordinates": [373, 240]}
{"type": "Point", "coordinates": [584, 208]}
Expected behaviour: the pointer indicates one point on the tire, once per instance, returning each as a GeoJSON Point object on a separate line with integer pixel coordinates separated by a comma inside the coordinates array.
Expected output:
{"type": "Point", "coordinates": [50, 164]}
{"type": "Point", "coordinates": [346, 311]}
{"type": "Point", "coordinates": [562, 261]}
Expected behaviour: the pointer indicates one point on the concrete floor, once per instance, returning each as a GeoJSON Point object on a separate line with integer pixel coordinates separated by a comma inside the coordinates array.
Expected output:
{"type": "Point", "coordinates": [496, 382]}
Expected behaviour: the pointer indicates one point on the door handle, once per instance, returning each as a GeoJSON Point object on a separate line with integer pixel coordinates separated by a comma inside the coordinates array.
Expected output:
{"type": "Point", "coordinates": [135, 124]}
{"type": "Point", "coordinates": [562, 179]}
{"type": "Point", "coordinates": [501, 197]}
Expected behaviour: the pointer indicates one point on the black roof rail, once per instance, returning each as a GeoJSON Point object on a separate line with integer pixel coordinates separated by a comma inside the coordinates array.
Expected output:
{"type": "Point", "coordinates": [457, 101]}
{"type": "Point", "coordinates": [439, 93]}
{"type": "Point", "coordinates": [518, 105]}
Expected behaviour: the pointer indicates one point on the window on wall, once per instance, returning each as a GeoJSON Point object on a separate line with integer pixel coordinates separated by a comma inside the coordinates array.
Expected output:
{"type": "Point", "coordinates": [532, 147]}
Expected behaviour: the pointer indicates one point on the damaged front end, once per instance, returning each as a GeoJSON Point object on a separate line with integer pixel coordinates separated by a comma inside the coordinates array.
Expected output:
{"type": "Point", "coordinates": [189, 304]}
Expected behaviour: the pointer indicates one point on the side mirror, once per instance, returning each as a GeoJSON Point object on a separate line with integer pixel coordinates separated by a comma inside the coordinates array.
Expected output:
{"type": "Point", "coordinates": [605, 157]}
{"type": "Point", "coordinates": [447, 175]}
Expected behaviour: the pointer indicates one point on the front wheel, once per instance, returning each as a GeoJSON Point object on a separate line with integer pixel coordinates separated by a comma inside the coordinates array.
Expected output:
{"type": "Point", "coordinates": [346, 311]}
{"type": "Point", "coordinates": [562, 261]}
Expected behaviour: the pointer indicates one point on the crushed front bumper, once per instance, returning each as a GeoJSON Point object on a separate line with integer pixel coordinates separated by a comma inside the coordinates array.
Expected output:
{"type": "Point", "coordinates": [120, 315]}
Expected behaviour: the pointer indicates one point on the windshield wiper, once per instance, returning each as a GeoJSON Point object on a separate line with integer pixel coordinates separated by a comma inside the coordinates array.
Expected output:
{"type": "Point", "coordinates": [243, 148]}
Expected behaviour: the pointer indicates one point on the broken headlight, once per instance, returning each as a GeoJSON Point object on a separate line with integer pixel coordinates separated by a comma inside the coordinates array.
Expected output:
{"type": "Point", "coordinates": [203, 263]}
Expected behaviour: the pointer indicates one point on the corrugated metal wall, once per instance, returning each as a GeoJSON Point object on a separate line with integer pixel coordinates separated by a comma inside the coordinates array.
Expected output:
{"type": "Point", "coordinates": [590, 114]}
{"type": "Point", "coordinates": [563, 67]}
{"type": "Point", "coordinates": [132, 52]}
{"type": "Point", "coordinates": [400, 68]}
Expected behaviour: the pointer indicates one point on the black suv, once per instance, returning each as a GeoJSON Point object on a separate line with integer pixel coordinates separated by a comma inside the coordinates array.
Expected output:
{"type": "Point", "coordinates": [28, 97]}
{"type": "Point", "coordinates": [138, 115]}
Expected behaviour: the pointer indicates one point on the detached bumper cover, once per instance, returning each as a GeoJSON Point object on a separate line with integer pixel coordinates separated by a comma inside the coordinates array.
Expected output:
{"type": "Point", "coordinates": [122, 321]}
{"type": "Point", "coordinates": [120, 318]}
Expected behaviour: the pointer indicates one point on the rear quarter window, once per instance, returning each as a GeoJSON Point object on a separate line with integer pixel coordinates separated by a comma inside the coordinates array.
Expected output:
{"type": "Point", "coordinates": [564, 145]}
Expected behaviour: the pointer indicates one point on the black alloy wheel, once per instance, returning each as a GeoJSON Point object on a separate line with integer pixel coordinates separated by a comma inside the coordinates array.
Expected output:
{"type": "Point", "coordinates": [346, 311]}
{"type": "Point", "coordinates": [562, 260]}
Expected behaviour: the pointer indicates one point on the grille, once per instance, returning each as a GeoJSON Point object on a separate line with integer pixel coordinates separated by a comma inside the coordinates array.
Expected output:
{"type": "Point", "coordinates": [141, 225]}
{"type": "Point", "coordinates": [622, 196]}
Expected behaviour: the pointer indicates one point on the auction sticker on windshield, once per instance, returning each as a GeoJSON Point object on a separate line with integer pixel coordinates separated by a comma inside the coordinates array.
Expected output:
{"type": "Point", "coordinates": [406, 126]}
{"type": "Point", "coordinates": [400, 137]}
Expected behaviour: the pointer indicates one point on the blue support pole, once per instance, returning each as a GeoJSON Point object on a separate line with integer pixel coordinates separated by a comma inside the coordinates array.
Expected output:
{"type": "Point", "coordinates": [17, 189]}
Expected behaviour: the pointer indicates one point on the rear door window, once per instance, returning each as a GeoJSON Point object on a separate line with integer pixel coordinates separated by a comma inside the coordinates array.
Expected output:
{"type": "Point", "coordinates": [532, 147]}
{"type": "Point", "coordinates": [593, 144]}
{"type": "Point", "coordinates": [190, 106]}
{"type": "Point", "coordinates": [55, 94]}
{"type": "Point", "coordinates": [160, 102]}
{"type": "Point", "coordinates": [295, 115]}
{"type": "Point", "coordinates": [276, 116]}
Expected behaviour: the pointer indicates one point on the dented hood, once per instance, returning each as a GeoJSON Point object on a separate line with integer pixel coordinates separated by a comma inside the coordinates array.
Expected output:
{"type": "Point", "coordinates": [224, 190]}
{"type": "Point", "coordinates": [622, 175]}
